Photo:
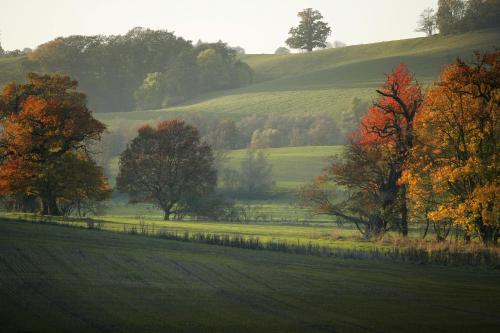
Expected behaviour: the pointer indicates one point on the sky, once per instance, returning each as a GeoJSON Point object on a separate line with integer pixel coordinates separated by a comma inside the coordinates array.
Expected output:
{"type": "Point", "coordinates": [259, 26]}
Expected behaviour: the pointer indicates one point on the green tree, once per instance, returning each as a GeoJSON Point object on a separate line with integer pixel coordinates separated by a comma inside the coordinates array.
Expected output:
{"type": "Point", "coordinates": [282, 50]}
{"type": "Point", "coordinates": [449, 17]}
{"type": "Point", "coordinates": [311, 32]}
{"type": "Point", "coordinates": [168, 166]}
{"type": "Point", "coordinates": [256, 173]}
{"type": "Point", "coordinates": [352, 116]}
{"type": "Point", "coordinates": [151, 92]}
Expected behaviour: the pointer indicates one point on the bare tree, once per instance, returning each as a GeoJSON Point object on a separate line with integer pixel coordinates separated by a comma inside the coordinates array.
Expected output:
{"type": "Point", "coordinates": [427, 22]}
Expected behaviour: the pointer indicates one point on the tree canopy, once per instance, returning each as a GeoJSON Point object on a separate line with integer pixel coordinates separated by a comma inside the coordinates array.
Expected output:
{"type": "Point", "coordinates": [47, 132]}
{"type": "Point", "coordinates": [168, 166]}
{"type": "Point", "coordinates": [455, 16]}
{"type": "Point", "coordinates": [311, 32]}
{"type": "Point", "coordinates": [453, 173]}
{"type": "Point", "coordinates": [116, 71]}
{"type": "Point", "coordinates": [427, 22]}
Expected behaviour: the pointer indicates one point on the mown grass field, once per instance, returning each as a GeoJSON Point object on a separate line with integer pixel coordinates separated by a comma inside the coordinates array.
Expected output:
{"type": "Point", "coordinates": [55, 278]}
{"type": "Point", "coordinates": [323, 81]}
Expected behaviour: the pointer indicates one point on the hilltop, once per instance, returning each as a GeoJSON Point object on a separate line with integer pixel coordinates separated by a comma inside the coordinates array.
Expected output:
{"type": "Point", "coordinates": [323, 81]}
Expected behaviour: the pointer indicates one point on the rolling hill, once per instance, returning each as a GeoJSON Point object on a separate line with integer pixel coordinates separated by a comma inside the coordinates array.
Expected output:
{"type": "Point", "coordinates": [323, 81]}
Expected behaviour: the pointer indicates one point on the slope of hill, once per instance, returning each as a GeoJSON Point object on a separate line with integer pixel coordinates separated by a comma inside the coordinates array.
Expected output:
{"type": "Point", "coordinates": [324, 81]}
{"type": "Point", "coordinates": [60, 279]}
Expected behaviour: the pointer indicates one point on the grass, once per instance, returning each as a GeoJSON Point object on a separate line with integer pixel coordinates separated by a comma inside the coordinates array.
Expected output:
{"type": "Point", "coordinates": [314, 237]}
{"type": "Point", "coordinates": [293, 167]}
{"type": "Point", "coordinates": [65, 279]}
{"type": "Point", "coordinates": [323, 81]}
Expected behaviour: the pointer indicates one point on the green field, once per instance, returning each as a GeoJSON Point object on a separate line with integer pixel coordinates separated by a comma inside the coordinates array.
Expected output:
{"type": "Point", "coordinates": [323, 81]}
{"type": "Point", "coordinates": [56, 278]}
{"type": "Point", "coordinates": [292, 167]}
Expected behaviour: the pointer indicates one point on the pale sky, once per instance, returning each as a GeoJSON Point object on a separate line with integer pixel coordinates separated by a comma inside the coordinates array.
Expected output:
{"type": "Point", "coordinates": [259, 26]}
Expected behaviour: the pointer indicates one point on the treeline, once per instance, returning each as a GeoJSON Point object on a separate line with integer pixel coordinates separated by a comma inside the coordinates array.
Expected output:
{"type": "Point", "coordinates": [142, 69]}
{"type": "Point", "coordinates": [456, 16]}
{"type": "Point", "coordinates": [255, 131]}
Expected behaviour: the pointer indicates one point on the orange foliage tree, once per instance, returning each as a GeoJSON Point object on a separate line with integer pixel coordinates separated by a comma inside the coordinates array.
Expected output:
{"type": "Point", "coordinates": [453, 172]}
{"type": "Point", "coordinates": [44, 145]}
{"type": "Point", "coordinates": [372, 166]}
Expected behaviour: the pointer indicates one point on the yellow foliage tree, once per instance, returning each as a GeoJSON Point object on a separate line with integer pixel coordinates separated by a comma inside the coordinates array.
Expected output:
{"type": "Point", "coordinates": [453, 172]}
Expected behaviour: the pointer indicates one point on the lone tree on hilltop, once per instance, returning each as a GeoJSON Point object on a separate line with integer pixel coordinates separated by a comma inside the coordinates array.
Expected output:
{"type": "Point", "coordinates": [167, 166]}
{"type": "Point", "coordinates": [427, 22]}
{"type": "Point", "coordinates": [311, 31]}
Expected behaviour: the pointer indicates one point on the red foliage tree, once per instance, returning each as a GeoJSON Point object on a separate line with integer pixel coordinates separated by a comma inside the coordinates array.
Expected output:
{"type": "Point", "coordinates": [389, 122]}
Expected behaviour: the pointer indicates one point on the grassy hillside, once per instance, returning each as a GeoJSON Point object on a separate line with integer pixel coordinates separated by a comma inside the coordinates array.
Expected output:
{"type": "Point", "coordinates": [55, 279]}
{"type": "Point", "coordinates": [12, 68]}
{"type": "Point", "coordinates": [324, 81]}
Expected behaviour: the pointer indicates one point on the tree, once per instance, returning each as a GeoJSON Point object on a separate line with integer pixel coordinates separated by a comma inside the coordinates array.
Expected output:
{"type": "Point", "coordinates": [449, 16]}
{"type": "Point", "coordinates": [338, 44]}
{"type": "Point", "coordinates": [239, 50]}
{"type": "Point", "coordinates": [427, 22]}
{"type": "Point", "coordinates": [256, 173]}
{"type": "Point", "coordinates": [351, 117]}
{"type": "Point", "coordinates": [282, 50]}
{"type": "Point", "coordinates": [455, 160]}
{"type": "Point", "coordinates": [482, 14]}
{"type": "Point", "coordinates": [362, 175]}
{"type": "Point", "coordinates": [455, 16]}
{"type": "Point", "coordinates": [311, 31]}
{"type": "Point", "coordinates": [168, 166]}
{"type": "Point", "coordinates": [224, 136]}
{"type": "Point", "coordinates": [45, 143]}
{"type": "Point", "coordinates": [151, 93]}
{"type": "Point", "coordinates": [390, 122]}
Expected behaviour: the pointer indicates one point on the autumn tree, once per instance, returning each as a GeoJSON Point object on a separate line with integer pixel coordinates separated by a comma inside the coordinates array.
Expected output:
{"type": "Point", "coordinates": [47, 132]}
{"type": "Point", "coordinates": [453, 173]}
{"type": "Point", "coordinates": [311, 32]}
{"type": "Point", "coordinates": [373, 166]}
{"type": "Point", "coordinates": [390, 122]}
{"type": "Point", "coordinates": [168, 166]}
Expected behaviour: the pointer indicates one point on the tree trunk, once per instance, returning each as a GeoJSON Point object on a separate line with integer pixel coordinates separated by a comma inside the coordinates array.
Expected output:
{"type": "Point", "coordinates": [50, 207]}
{"type": "Point", "coordinates": [404, 212]}
{"type": "Point", "coordinates": [166, 215]}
